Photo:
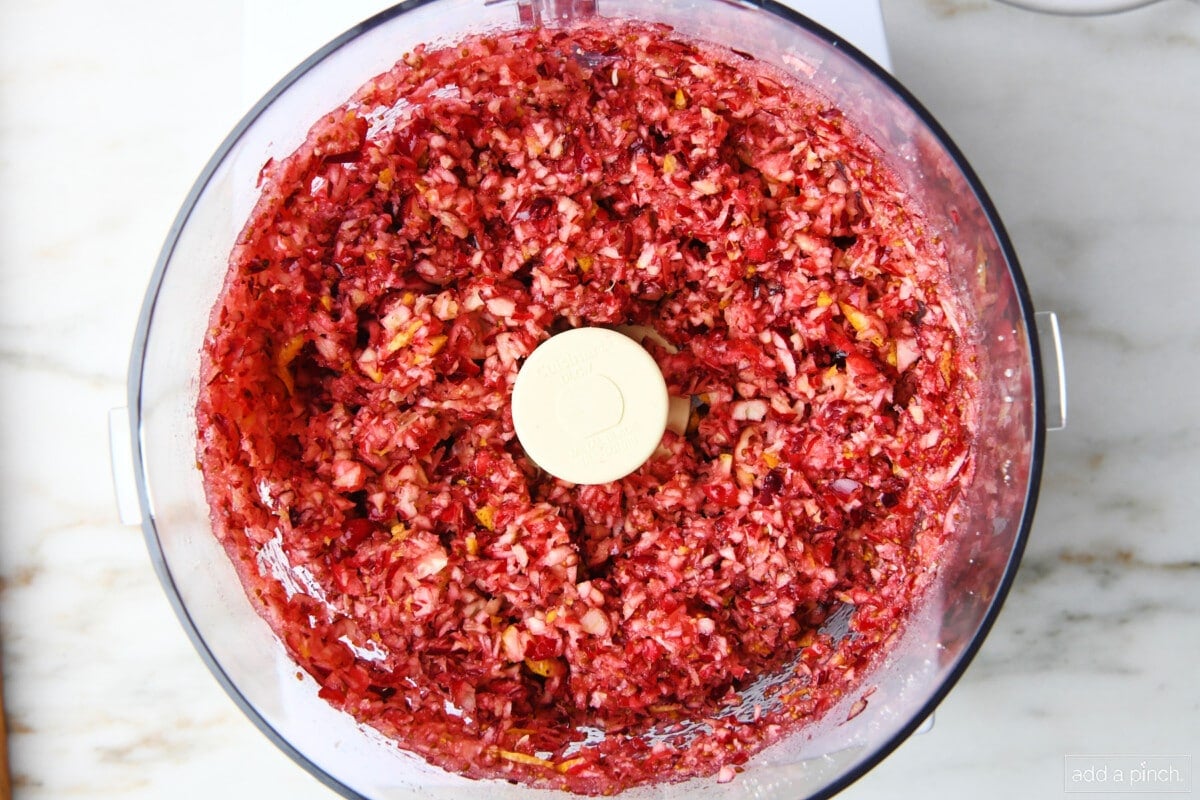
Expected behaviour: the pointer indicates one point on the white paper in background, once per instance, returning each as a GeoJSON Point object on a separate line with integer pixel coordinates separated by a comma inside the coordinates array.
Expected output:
{"type": "Point", "coordinates": [279, 34]}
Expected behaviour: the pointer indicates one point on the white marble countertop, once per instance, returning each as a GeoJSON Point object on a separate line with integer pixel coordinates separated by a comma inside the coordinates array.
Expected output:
{"type": "Point", "coordinates": [1085, 133]}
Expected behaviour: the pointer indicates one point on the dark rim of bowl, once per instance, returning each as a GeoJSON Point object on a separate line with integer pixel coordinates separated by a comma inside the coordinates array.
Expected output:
{"type": "Point", "coordinates": [1038, 431]}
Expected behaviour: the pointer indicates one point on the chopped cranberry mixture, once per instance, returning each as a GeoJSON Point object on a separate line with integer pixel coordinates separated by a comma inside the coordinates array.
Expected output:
{"type": "Point", "coordinates": [358, 450]}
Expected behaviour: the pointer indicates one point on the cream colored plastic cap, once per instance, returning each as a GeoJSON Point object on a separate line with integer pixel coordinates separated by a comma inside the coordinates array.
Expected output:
{"type": "Point", "coordinates": [589, 405]}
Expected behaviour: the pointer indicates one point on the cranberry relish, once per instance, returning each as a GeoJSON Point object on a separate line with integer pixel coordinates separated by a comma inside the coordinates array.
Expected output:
{"type": "Point", "coordinates": [354, 412]}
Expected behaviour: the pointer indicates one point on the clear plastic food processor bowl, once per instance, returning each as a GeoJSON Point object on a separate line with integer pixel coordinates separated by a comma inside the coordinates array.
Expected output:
{"type": "Point", "coordinates": [997, 507]}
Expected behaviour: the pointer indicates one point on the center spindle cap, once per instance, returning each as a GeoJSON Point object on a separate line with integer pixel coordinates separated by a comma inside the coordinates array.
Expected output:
{"type": "Point", "coordinates": [589, 405]}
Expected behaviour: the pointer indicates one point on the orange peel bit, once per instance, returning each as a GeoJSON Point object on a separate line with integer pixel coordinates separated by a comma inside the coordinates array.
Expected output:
{"type": "Point", "coordinates": [486, 516]}
{"type": "Point", "coordinates": [569, 764]}
{"type": "Point", "coordinates": [283, 361]}
{"type": "Point", "coordinates": [545, 667]}
{"type": "Point", "coordinates": [944, 365]}
{"type": "Point", "coordinates": [522, 758]}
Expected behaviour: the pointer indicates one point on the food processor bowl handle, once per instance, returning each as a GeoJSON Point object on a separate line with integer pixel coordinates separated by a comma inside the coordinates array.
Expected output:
{"type": "Point", "coordinates": [550, 12]}
{"type": "Point", "coordinates": [1053, 371]}
{"type": "Point", "coordinates": [120, 448]}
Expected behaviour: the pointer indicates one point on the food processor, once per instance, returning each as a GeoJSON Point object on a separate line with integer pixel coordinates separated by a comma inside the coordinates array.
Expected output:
{"type": "Point", "coordinates": [1020, 366]}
